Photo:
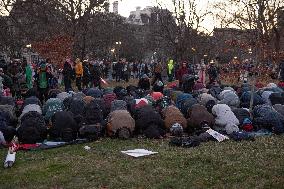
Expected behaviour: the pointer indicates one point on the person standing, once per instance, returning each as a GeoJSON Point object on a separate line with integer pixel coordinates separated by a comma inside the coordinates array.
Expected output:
{"type": "Point", "coordinates": [213, 72]}
{"type": "Point", "coordinates": [67, 76]}
{"type": "Point", "coordinates": [79, 73]}
{"type": "Point", "coordinates": [201, 72]}
{"type": "Point", "coordinates": [118, 71]}
{"type": "Point", "coordinates": [157, 72]}
{"type": "Point", "coordinates": [86, 76]}
{"type": "Point", "coordinates": [42, 82]}
{"type": "Point", "coordinates": [29, 75]}
{"type": "Point", "coordinates": [181, 72]}
{"type": "Point", "coordinates": [171, 70]}
{"type": "Point", "coordinates": [97, 75]}
{"type": "Point", "coordinates": [126, 71]}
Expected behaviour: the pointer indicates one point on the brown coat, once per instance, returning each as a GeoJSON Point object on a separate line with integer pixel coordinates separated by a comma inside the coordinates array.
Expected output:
{"type": "Point", "coordinates": [119, 119]}
{"type": "Point", "coordinates": [198, 114]}
{"type": "Point", "coordinates": [88, 99]}
{"type": "Point", "coordinates": [173, 115]}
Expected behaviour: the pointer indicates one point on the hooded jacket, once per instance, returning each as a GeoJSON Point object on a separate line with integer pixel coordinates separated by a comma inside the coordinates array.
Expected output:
{"type": "Point", "coordinates": [173, 115]}
{"type": "Point", "coordinates": [120, 119]}
{"type": "Point", "coordinates": [198, 114]}
{"type": "Point", "coordinates": [170, 67]}
{"type": "Point", "coordinates": [225, 118]}
{"type": "Point", "coordinates": [230, 98]}
{"type": "Point", "coordinates": [265, 116]}
{"type": "Point", "coordinates": [204, 98]}
{"type": "Point", "coordinates": [78, 68]}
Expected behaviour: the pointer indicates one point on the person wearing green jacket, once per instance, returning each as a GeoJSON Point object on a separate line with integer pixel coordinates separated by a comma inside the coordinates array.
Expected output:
{"type": "Point", "coordinates": [29, 76]}
{"type": "Point", "coordinates": [171, 70]}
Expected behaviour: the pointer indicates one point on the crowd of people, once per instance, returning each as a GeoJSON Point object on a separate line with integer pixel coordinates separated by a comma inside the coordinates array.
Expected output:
{"type": "Point", "coordinates": [152, 109]}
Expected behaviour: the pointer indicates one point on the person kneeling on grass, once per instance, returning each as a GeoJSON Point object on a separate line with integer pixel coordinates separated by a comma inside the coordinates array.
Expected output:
{"type": "Point", "coordinates": [174, 120]}
{"type": "Point", "coordinates": [120, 124]}
{"type": "Point", "coordinates": [149, 123]}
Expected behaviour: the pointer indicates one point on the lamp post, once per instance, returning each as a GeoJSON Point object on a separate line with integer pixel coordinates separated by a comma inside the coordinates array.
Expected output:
{"type": "Point", "coordinates": [118, 43]}
{"type": "Point", "coordinates": [193, 58]}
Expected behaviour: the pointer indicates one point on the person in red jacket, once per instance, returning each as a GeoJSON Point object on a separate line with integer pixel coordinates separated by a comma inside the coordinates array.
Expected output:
{"type": "Point", "coordinates": [183, 70]}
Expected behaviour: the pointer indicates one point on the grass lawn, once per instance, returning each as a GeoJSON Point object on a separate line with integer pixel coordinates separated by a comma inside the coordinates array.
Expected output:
{"type": "Point", "coordinates": [258, 164]}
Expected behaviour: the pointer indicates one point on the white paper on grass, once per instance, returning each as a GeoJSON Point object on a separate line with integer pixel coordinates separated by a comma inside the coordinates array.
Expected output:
{"type": "Point", "coordinates": [217, 135]}
{"type": "Point", "coordinates": [138, 152]}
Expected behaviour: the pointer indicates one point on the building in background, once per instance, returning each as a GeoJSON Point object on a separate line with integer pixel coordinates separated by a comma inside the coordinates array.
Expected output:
{"type": "Point", "coordinates": [115, 7]}
{"type": "Point", "coordinates": [140, 16]}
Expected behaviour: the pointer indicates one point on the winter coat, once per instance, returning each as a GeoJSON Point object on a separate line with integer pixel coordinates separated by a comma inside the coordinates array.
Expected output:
{"type": "Point", "coordinates": [52, 106]}
{"type": "Point", "coordinates": [265, 116]}
{"type": "Point", "coordinates": [108, 99]}
{"type": "Point", "coordinates": [173, 115]}
{"type": "Point", "coordinates": [88, 99]}
{"type": "Point", "coordinates": [120, 119]}
{"type": "Point", "coordinates": [170, 67]}
{"type": "Point", "coordinates": [198, 86]}
{"type": "Point", "coordinates": [277, 98]}
{"type": "Point", "coordinates": [215, 91]}
{"type": "Point", "coordinates": [6, 100]}
{"type": "Point", "coordinates": [279, 108]}
{"type": "Point", "coordinates": [245, 99]}
{"type": "Point", "coordinates": [64, 127]}
{"type": "Point", "coordinates": [8, 113]}
{"type": "Point", "coordinates": [77, 107]}
{"type": "Point", "coordinates": [78, 69]}
{"type": "Point", "coordinates": [181, 72]}
{"type": "Point", "coordinates": [265, 96]}
{"type": "Point", "coordinates": [241, 114]}
{"type": "Point", "coordinates": [204, 98]}
{"type": "Point", "coordinates": [187, 105]}
{"type": "Point", "coordinates": [149, 122]}
{"type": "Point", "coordinates": [181, 99]}
{"type": "Point", "coordinates": [225, 118]}
{"type": "Point", "coordinates": [230, 98]}
{"type": "Point", "coordinates": [198, 114]}
{"type": "Point", "coordinates": [94, 92]}
{"type": "Point", "coordinates": [62, 96]}
{"type": "Point", "coordinates": [29, 77]}
{"type": "Point", "coordinates": [93, 114]}
{"type": "Point", "coordinates": [118, 105]}
{"type": "Point", "coordinates": [31, 100]}
{"type": "Point", "coordinates": [31, 108]}
{"type": "Point", "coordinates": [32, 129]}
{"type": "Point", "coordinates": [42, 77]}
{"type": "Point", "coordinates": [102, 106]}
{"type": "Point", "coordinates": [67, 71]}
{"type": "Point", "coordinates": [144, 84]}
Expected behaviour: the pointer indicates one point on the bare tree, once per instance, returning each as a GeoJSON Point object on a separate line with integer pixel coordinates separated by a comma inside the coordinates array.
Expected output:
{"type": "Point", "coordinates": [188, 18]}
{"type": "Point", "coordinates": [257, 15]}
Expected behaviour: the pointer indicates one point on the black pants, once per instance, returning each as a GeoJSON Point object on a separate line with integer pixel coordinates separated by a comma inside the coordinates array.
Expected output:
{"type": "Point", "coordinates": [67, 84]}
{"type": "Point", "coordinates": [126, 77]}
{"type": "Point", "coordinates": [42, 94]}
{"type": "Point", "coordinates": [118, 76]}
{"type": "Point", "coordinates": [79, 83]}
{"type": "Point", "coordinates": [157, 77]}
{"type": "Point", "coordinates": [97, 83]}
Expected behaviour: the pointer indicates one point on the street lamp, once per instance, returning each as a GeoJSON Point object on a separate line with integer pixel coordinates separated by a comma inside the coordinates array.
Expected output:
{"type": "Point", "coordinates": [118, 50]}
{"type": "Point", "coordinates": [29, 46]}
